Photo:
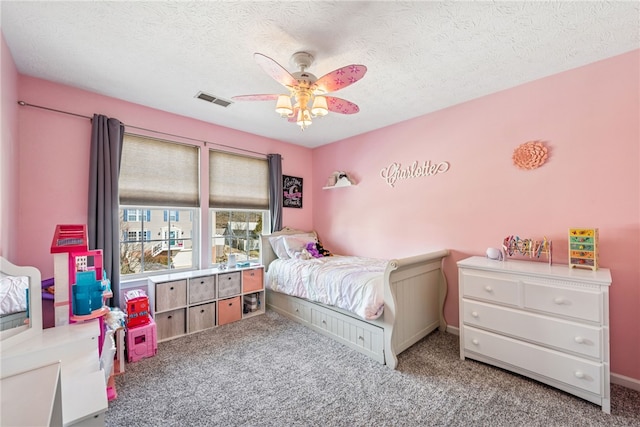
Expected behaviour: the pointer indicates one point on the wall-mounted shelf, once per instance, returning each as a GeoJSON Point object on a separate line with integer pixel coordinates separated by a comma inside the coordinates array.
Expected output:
{"type": "Point", "coordinates": [342, 182]}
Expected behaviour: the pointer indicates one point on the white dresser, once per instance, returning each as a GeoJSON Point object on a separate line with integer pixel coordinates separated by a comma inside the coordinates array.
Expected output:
{"type": "Point", "coordinates": [549, 323]}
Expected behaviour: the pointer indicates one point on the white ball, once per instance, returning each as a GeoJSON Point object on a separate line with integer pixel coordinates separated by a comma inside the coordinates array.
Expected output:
{"type": "Point", "coordinates": [494, 253]}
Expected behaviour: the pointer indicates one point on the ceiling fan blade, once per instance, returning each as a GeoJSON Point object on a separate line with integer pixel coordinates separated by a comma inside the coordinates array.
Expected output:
{"type": "Point", "coordinates": [341, 106]}
{"type": "Point", "coordinates": [266, 97]}
{"type": "Point", "coordinates": [275, 70]}
{"type": "Point", "coordinates": [340, 78]}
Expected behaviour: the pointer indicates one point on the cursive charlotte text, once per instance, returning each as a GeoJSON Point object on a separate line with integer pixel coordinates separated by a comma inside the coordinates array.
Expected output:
{"type": "Point", "coordinates": [395, 171]}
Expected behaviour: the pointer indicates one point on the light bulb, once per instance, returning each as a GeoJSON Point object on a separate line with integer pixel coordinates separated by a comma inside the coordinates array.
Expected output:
{"type": "Point", "coordinates": [319, 108]}
{"type": "Point", "coordinates": [283, 106]}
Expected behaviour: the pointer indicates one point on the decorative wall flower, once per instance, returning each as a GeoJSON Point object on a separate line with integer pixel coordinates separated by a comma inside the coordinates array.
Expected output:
{"type": "Point", "coordinates": [530, 155]}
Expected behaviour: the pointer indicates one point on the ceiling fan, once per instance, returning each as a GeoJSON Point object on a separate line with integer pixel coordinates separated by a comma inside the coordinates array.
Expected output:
{"type": "Point", "coordinates": [308, 92]}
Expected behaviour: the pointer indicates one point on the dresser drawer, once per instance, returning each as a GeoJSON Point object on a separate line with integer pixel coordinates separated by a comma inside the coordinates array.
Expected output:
{"type": "Point", "coordinates": [561, 334]}
{"type": "Point", "coordinates": [490, 287]}
{"type": "Point", "coordinates": [576, 303]}
{"type": "Point", "coordinates": [202, 289]}
{"type": "Point", "coordinates": [171, 295]}
{"type": "Point", "coordinates": [202, 317]}
{"type": "Point", "coordinates": [534, 359]}
{"type": "Point", "coordinates": [252, 280]}
{"type": "Point", "coordinates": [228, 284]}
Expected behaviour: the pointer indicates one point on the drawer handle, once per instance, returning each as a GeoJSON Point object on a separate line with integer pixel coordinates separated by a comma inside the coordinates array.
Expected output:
{"type": "Point", "coordinates": [579, 374]}
{"type": "Point", "coordinates": [202, 282]}
{"type": "Point", "coordinates": [474, 314]}
{"type": "Point", "coordinates": [361, 338]}
{"type": "Point", "coordinates": [579, 340]}
{"type": "Point", "coordinates": [228, 278]}
{"type": "Point", "coordinates": [201, 311]}
{"type": "Point", "coordinates": [488, 288]}
{"type": "Point", "coordinates": [559, 300]}
{"type": "Point", "coordinates": [324, 322]}
{"type": "Point", "coordinates": [169, 317]}
{"type": "Point", "coordinates": [171, 288]}
{"type": "Point", "coordinates": [230, 304]}
{"type": "Point", "coordinates": [475, 341]}
{"type": "Point", "coordinates": [297, 311]}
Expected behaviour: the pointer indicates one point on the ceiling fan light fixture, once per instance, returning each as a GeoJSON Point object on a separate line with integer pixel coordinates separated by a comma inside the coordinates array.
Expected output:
{"type": "Point", "coordinates": [320, 107]}
{"type": "Point", "coordinates": [283, 106]}
{"type": "Point", "coordinates": [307, 91]}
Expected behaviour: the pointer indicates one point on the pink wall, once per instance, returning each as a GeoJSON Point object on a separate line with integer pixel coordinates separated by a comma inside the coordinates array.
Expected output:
{"type": "Point", "coordinates": [8, 153]}
{"type": "Point", "coordinates": [54, 153]}
{"type": "Point", "coordinates": [588, 117]}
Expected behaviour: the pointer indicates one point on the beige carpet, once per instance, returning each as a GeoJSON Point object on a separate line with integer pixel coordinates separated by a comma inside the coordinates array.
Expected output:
{"type": "Point", "coordinates": [271, 371]}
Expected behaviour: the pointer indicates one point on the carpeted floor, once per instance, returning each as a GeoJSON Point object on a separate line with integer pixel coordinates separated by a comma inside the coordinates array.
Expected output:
{"type": "Point", "coordinates": [271, 371]}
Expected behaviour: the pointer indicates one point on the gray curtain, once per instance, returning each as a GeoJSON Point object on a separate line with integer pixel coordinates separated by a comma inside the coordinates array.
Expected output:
{"type": "Point", "coordinates": [275, 191]}
{"type": "Point", "coordinates": [104, 167]}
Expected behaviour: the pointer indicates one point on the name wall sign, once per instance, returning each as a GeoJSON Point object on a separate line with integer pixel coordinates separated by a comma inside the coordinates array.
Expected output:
{"type": "Point", "coordinates": [394, 172]}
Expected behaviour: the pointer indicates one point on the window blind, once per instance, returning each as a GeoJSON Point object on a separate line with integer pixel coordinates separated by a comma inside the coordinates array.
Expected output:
{"type": "Point", "coordinates": [158, 173]}
{"type": "Point", "coordinates": [238, 182]}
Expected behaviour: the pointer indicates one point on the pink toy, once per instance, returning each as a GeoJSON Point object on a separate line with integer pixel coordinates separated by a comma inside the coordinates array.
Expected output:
{"type": "Point", "coordinates": [142, 342]}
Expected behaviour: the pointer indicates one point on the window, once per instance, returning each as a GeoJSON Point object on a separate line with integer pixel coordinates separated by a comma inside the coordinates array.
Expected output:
{"type": "Point", "coordinates": [239, 205]}
{"type": "Point", "coordinates": [159, 199]}
{"type": "Point", "coordinates": [156, 245]}
{"type": "Point", "coordinates": [136, 215]}
{"type": "Point", "coordinates": [160, 206]}
{"type": "Point", "coordinates": [238, 233]}
{"type": "Point", "coordinates": [171, 215]}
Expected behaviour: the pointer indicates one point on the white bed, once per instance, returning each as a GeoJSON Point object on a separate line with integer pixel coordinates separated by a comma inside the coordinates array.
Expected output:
{"type": "Point", "coordinates": [14, 304]}
{"type": "Point", "coordinates": [13, 301]}
{"type": "Point", "coordinates": [413, 290]}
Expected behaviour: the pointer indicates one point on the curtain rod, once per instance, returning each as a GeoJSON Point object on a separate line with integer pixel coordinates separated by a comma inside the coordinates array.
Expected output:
{"type": "Point", "coordinates": [26, 104]}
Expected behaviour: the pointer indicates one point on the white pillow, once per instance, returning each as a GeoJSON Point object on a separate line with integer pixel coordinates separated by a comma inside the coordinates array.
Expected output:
{"type": "Point", "coordinates": [277, 243]}
{"type": "Point", "coordinates": [296, 243]}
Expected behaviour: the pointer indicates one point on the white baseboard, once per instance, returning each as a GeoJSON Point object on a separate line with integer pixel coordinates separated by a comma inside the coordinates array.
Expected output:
{"type": "Point", "coordinates": [627, 382]}
{"type": "Point", "coordinates": [618, 379]}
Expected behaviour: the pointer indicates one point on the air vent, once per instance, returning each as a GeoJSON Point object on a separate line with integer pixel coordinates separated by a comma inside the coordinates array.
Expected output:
{"type": "Point", "coordinates": [213, 99]}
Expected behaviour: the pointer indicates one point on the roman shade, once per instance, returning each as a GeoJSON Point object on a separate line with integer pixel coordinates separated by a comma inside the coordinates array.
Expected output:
{"type": "Point", "coordinates": [159, 173]}
{"type": "Point", "coordinates": [238, 182]}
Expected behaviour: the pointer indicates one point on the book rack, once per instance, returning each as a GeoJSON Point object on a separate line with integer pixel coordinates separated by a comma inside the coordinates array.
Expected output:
{"type": "Point", "coordinates": [531, 248]}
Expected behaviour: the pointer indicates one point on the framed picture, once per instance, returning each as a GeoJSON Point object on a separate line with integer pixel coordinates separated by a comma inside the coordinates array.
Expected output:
{"type": "Point", "coordinates": [292, 187]}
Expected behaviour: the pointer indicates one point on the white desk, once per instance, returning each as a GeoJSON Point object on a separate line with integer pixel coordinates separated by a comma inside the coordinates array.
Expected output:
{"type": "Point", "coordinates": [32, 398]}
{"type": "Point", "coordinates": [75, 347]}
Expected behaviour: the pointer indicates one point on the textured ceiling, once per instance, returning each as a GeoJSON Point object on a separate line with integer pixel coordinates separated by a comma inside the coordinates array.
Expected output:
{"type": "Point", "coordinates": [421, 56]}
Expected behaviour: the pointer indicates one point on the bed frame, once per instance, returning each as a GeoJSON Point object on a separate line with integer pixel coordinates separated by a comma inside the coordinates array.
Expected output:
{"type": "Point", "coordinates": [414, 292]}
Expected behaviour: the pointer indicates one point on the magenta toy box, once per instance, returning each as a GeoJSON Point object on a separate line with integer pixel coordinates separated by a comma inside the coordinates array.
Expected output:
{"type": "Point", "coordinates": [141, 341]}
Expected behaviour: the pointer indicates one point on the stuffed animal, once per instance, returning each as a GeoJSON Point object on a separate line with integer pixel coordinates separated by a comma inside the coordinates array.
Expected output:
{"type": "Point", "coordinates": [115, 318]}
{"type": "Point", "coordinates": [313, 250]}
